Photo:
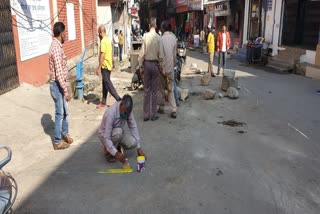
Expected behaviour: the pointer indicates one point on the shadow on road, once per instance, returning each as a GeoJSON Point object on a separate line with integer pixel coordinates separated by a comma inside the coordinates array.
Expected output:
{"type": "Point", "coordinates": [48, 125]}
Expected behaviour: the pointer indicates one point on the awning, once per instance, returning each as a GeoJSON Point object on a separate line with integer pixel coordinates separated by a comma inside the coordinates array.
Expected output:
{"type": "Point", "coordinates": [205, 2]}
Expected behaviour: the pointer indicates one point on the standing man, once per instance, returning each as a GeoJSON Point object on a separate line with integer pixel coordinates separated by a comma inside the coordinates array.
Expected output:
{"type": "Point", "coordinates": [150, 58]}
{"type": "Point", "coordinates": [116, 43]}
{"type": "Point", "coordinates": [121, 42]}
{"type": "Point", "coordinates": [105, 67]}
{"type": "Point", "coordinates": [58, 88]}
{"type": "Point", "coordinates": [223, 44]}
{"type": "Point", "coordinates": [169, 49]}
{"type": "Point", "coordinates": [111, 132]}
{"type": "Point", "coordinates": [210, 45]}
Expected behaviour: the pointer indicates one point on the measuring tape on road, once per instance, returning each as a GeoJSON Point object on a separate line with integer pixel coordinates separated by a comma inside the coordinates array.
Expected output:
{"type": "Point", "coordinates": [116, 171]}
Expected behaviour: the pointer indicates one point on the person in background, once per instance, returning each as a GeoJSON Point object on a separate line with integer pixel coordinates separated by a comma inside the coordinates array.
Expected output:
{"type": "Point", "coordinates": [223, 44]}
{"type": "Point", "coordinates": [116, 43]}
{"type": "Point", "coordinates": [105, 67]}
{"type": "Point", "coordinates": [121, 42]}
{"type": "Point", "coordinates": [210, 46]}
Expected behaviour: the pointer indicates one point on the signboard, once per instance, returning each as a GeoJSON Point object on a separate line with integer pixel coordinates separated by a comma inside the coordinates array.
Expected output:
{"type": "Point", "coordinates": [222, 9]}
{"type": "Point", "coordinates": [181, 3]}
{"type": "Point", "coordinates": [195, 5]}
{"type": "Point", "coordinates": [34, 27]}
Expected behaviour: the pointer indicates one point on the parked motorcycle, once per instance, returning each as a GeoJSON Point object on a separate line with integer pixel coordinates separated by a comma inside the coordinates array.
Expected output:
{"type": "Point", "coordinates": [181, 58]}
{"type": "Point", "coordinates": [8, 185]}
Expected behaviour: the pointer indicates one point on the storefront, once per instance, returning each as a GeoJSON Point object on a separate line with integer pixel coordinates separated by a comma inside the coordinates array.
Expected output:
{"type": "Point", "coordinates": [228, 13]}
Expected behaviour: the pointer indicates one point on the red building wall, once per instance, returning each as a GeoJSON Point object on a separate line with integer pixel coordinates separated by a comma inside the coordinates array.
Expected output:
{"type": "Point", "coordinates": [35, 71]}
{"type": "Point", "coordinates": [89, 22]}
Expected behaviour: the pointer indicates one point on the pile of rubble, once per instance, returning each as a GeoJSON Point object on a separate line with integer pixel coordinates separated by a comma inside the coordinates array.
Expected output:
{"type": "Point", "coordinates": [229, 85]}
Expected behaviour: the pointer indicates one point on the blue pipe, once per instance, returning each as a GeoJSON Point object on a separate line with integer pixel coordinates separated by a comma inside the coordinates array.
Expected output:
{"type": "Point", "coordinates": [79, 77]}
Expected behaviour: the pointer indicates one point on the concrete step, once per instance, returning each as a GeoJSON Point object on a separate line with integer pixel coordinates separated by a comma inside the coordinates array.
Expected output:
{"type": "Point", "coordinates": [285, 60]}
{"type": "Point", "coordinates": [282, 66]}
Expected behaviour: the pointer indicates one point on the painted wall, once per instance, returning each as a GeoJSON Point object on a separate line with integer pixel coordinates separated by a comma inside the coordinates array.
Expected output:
{"type": "Point", "coordinates": [35, 71]}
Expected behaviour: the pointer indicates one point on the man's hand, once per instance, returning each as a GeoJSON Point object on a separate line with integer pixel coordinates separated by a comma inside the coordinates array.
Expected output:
{"type": "Point", "coordinates": [120, 157]}
{"type": "Point", "coordinates": [67, 96]}
{"type": "Point", "coordinates": [98, 71]}
{"type": "Point", "coordinates": [141, 153]}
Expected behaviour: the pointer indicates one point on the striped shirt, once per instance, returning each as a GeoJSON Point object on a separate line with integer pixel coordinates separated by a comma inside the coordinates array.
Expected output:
{"type": "Point", "coordinates": [58, 64]}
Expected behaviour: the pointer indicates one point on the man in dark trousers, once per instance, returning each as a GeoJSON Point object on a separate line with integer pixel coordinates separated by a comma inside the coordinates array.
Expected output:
{"type": "Point", "coordinates": [105, 67]}
{"type": "Point", "coordinates": [150, 60]}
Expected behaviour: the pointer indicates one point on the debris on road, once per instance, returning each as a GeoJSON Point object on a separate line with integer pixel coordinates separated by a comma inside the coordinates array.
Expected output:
{"type": "Point", "coordinates": [242, 132]}
{"type": "Point", "coordinates": [232, 123]}
{"type": "Point", "coordinates": [229, 80]}
{"type": "Point", "coordinates": [205, 79]}
{"type": "Point", "coordinates": [233, 93]}
{"type": "Point", "coordinates": [209, 94]}
{"type": "Point", "coordinates": [219, 172]}
{"type": "Point", "coordinates": [183, 93]}
{"type": "Point", "coordinates": [220, 95]}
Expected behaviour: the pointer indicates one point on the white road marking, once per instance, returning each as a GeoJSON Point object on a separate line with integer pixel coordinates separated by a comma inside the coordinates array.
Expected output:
{"type": "Point", "coordinates": [298, 131]}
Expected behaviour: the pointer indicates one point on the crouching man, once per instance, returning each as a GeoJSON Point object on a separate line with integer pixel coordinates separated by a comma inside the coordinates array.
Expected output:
{"type": "Point", "coordinates": [111, 132]}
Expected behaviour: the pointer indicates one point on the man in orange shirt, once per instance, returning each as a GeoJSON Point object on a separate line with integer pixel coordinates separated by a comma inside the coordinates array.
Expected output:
{"type": "Point", "coordinates": [223, 44]}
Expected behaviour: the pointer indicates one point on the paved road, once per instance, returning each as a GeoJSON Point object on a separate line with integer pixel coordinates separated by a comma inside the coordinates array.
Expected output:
{"type": "Point", "coordinates": [195, 165]}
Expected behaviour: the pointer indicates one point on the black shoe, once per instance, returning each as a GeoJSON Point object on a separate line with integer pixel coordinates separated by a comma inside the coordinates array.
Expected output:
{"type": "Point", "coordinates": [160, 111]}
{"type": "Point", "coordinates": [154, 118]}
{"type": "Point", "coordinates": [174, 114]}
{"type": "Point", "coordinates": [145, 119]}
{"type": "Point", "coordinates": [213, 75]}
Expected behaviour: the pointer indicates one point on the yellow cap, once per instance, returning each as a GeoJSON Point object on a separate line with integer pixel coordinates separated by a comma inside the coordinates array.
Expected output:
{"type": "Point", "coordinates": [140, 158]}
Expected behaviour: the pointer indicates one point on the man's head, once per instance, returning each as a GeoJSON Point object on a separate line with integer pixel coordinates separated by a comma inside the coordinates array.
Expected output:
{"type": "Point", "coordinates": [116, 31]}
{"type": "Point", "coordinates": [101, 31]}
{"type": "Point", "coordinates": [126, 106]}
{"type": "Point", "coordinates": [153, 23]}
{"type": "Point", "coordinates": [120, 32]}
{"type": "Point", "coordinates": [59, 31]}
{"type": "Point", "coordinates": [224, 29]}
{"type": "Point", "coordinates": [165, 26]}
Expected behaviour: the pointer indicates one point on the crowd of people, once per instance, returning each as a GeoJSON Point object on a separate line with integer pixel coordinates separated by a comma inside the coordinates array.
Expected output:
{"type": "Point", "coordinates": [157, 60]}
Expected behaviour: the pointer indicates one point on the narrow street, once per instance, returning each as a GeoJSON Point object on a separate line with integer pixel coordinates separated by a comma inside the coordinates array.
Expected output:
{"type": "Point", "coordinates": [195, 164]}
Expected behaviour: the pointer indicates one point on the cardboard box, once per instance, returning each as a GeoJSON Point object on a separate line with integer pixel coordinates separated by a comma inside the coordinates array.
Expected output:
{"type": "Point", "coordinates": [313, 72]}
{"type": "Point", "coordinates": [318, 55]}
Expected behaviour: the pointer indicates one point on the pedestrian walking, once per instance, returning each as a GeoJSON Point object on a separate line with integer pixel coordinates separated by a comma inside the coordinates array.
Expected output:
{"type": "Point", "coordinates": [121, 42]}
{"type": "Point", "coordinates": [223, 44]}
{"type": "Point", "coordinates": [58, 87]}
{"type": "Point", "coordinates": [105, 67]}
{"type": "Point", "coordinates": [210, 46]}
{"type": "Point", "coordinates": [150, 58]}
{"type": "Point", "coordinates": [112, 134]}
{"type": "Point", "coordinates": [169, 49]}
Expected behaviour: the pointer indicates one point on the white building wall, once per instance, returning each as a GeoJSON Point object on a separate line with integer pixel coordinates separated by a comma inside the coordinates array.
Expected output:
{"type": "Point", "coordinates": [104, 16]}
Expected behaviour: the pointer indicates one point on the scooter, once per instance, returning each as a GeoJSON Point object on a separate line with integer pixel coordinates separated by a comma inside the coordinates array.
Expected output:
{"type": "Point", "coordinates": [8, 185]}
{"type": "Point", "coordinates": [181, 58]}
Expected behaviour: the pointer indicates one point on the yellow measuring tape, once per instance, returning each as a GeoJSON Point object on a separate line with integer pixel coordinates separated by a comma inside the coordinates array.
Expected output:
{"type": "Point", "coordinates": [126, 169]}
{"type": "Point", "coordinates": [115, 171]}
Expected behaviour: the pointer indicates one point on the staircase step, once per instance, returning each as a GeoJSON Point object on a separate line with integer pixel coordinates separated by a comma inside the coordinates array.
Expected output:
{"type": "Point", "coordinates": [280, 65]}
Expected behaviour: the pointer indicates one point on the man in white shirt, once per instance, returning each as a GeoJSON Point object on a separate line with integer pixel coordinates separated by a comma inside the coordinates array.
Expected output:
{"type": "Point", "coordinates": [116, 43]}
